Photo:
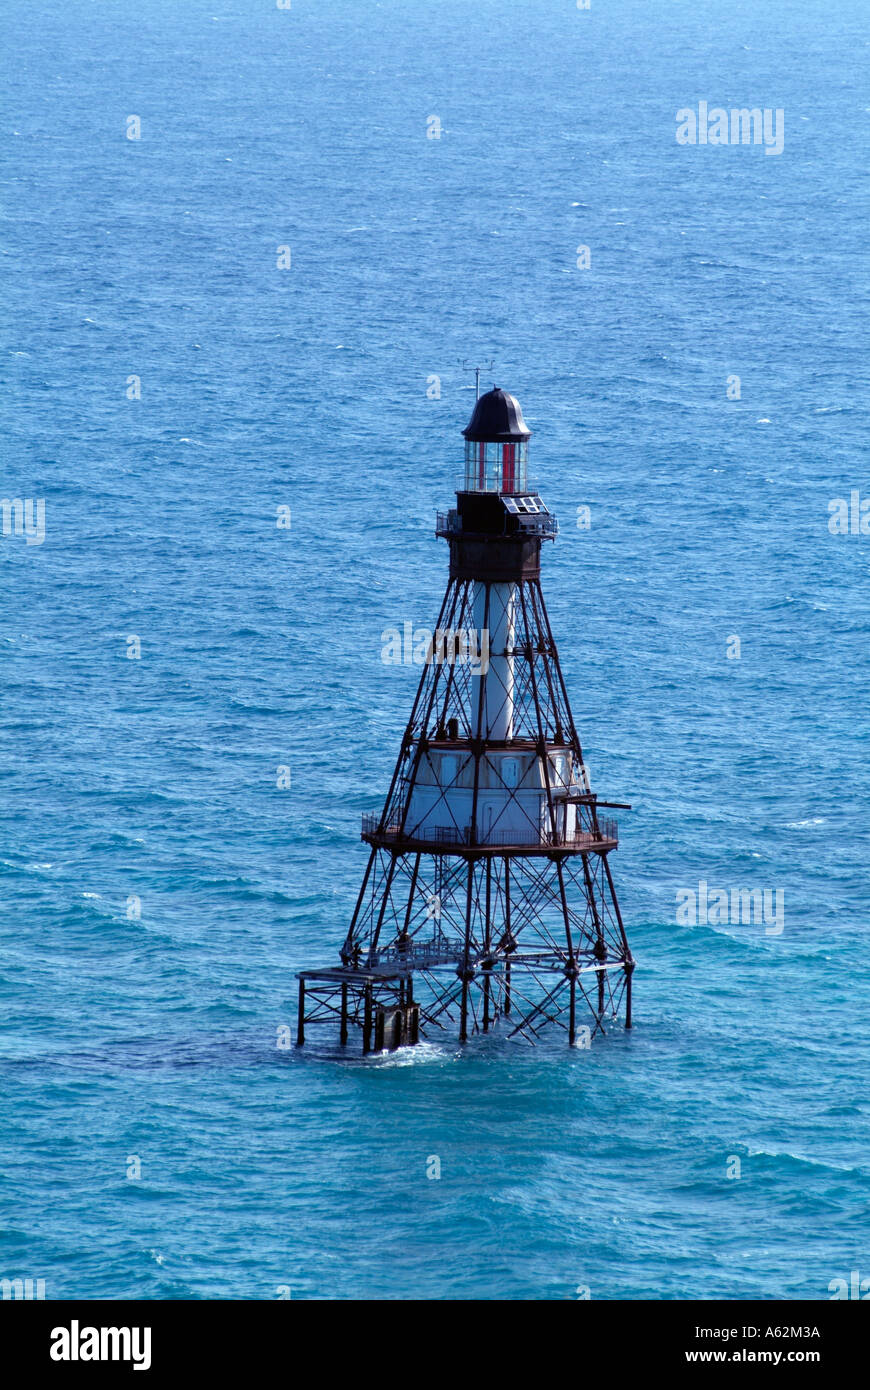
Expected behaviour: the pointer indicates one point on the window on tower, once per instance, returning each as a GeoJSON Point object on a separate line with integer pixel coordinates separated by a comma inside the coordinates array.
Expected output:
{"type": "Point", "coordinates": [510, 771]}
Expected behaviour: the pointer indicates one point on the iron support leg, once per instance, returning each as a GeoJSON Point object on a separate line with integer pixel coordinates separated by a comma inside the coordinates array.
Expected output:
{"type": "Point", "coordinates": [463, 1019]}
{"type": "Point", "coordinates": [300, 1022]}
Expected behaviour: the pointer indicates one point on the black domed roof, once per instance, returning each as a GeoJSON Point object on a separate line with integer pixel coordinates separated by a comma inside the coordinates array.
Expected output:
{"type": "Point", "coordinates": [497, 418]}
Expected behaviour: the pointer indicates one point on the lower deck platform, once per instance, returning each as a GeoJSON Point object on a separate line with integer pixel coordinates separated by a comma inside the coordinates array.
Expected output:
{"type": "Point", "coordinates": [378, 999]}
{"type": "Point", "coordinates": [378, 996]}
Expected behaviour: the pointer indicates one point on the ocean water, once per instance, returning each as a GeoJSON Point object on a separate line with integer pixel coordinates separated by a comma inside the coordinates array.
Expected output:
{"type": "Point", "coordinates": [155, 1038]}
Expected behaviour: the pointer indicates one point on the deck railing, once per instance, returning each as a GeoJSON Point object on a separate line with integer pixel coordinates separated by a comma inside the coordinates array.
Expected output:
{"type": "Point", "coordinates": [542, 524]}
{"type": "Point", "coordinates": [442, 835]}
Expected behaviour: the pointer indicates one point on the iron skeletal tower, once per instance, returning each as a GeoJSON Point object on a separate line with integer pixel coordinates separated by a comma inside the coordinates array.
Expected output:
{"type": "Point", "coordinates": [488, 884]}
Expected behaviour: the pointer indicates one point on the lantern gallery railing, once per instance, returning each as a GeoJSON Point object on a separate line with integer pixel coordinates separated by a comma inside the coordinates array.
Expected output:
{"type": "Point", "coordinates": [459, 837]}
{"type": "Point", "coordinates": [450, 523]}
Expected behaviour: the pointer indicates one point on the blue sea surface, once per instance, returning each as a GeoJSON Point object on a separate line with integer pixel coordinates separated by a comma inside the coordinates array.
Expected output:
{"type": "Point", "coordinates": [156, 1038]}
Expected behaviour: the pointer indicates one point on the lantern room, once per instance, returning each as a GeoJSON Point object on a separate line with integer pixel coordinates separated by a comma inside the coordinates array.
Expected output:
{"type": "Point", "coordinates": [496, 445]}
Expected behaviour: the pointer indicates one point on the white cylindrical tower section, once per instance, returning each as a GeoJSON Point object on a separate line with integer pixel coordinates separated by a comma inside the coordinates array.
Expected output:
{"type": "Point", "coordinates": [494, 638]}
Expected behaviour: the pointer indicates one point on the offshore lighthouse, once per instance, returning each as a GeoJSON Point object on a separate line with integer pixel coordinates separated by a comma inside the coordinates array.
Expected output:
{"type": "Point", "coordinates": [488, 898]}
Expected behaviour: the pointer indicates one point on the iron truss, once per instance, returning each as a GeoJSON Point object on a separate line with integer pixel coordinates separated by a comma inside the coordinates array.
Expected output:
{"type": "Point", "coordinates": [511, 927]}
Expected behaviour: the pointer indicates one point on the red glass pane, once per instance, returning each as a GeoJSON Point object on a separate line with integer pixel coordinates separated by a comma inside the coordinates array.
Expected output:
{"type": "Point", "coordinates": [507, 467]}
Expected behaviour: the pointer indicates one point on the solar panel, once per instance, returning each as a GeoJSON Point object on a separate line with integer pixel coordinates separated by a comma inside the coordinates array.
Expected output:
{"type": "Point", "coordinates": [529, 505]}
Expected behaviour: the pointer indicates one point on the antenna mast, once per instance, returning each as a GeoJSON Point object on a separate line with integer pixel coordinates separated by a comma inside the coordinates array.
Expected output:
{"type": "Point", "coordinates": [477, 370]}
